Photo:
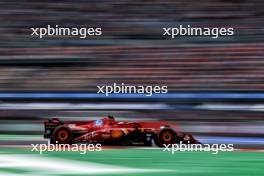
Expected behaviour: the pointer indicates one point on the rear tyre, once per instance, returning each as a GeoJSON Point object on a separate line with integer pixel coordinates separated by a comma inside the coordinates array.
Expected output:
{"type": "Point", "coordinates": [62, 135]}
{"type": "Point", "coordinates": [165, 136]}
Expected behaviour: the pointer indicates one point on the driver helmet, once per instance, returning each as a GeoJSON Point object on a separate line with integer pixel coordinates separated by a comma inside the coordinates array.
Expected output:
{"type": "Point", "coordinates": [111, 117]}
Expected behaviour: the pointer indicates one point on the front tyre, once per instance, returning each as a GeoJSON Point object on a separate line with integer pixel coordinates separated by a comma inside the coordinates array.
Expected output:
{"type": "Point", "coordinates": [164, 137]}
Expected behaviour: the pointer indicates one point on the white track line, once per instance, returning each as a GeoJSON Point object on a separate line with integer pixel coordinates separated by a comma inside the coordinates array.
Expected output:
{"type": "Point", "coordinates": [54, 166]}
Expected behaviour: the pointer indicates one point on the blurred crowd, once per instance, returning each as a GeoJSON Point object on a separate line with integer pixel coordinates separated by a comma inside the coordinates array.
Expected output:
{"type": "Point", "coordinates": [132, 49]}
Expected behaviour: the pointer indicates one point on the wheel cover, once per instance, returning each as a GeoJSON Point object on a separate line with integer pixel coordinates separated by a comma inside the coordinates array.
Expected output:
{"type": "Point", "coordinates": [63, 135]}
{"type": "Point", "coordinates": [167, 136]}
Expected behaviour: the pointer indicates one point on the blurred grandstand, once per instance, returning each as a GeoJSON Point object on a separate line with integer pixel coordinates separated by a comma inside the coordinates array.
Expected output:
{"type": "Point", "coordinates": [132, 50]}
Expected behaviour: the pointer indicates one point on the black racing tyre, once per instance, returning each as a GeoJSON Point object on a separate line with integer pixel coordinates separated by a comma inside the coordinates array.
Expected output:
{"type": "Point", "coordinates": [62, 135]}
{"type": "Point", "coordinates": [165, 136]}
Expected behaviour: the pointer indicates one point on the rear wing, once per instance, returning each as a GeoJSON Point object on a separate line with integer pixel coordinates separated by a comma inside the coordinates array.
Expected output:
{"type": "Point", "coordinates": [50, 125]}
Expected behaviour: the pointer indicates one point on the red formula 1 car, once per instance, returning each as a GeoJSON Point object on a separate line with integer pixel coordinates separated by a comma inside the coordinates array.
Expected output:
{"type": "Point", "coordinates": [108, 131]}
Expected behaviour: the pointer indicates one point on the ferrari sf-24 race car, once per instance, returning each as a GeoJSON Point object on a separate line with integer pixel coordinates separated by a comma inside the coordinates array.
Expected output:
{"type": "Point", "coordinates": [108, 131]}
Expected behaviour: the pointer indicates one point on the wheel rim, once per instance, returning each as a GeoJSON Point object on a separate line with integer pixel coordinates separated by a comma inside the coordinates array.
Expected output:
{"type": "Point", "coordinates": [63, 135]}
{"type": "Point", "coordinates": [167, 136]}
